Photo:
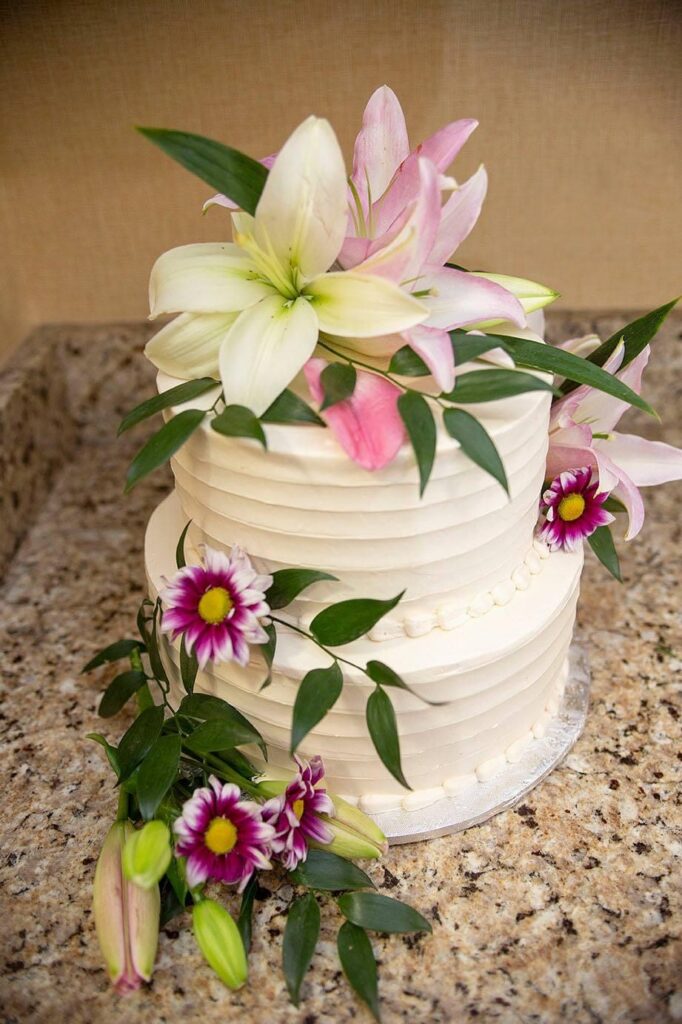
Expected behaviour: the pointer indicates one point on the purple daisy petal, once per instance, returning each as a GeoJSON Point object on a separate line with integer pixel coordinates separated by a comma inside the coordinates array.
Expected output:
{"type": "Point", "coordinates": [217, 606]}
{"type": "Point", "coordinates": [572, 509]}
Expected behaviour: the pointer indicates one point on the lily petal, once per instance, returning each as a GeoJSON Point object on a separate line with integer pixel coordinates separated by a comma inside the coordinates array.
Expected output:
{"type": "Point", "coordinates": [459, 216]}
{"type": "Point", "coordinates": [206, 277]}
{"type": "Point", "coordinates": [188, 346]}
{"type": "Point", "coordinates": [443, 146]}
{"type": "Point", "coordinates": [458, 298]}
{"type": "Point", "coordinates": [624, 490]}
{"type": "Point", "coordinates": [435, 348]}
{"type": "Point", "coordinates": [353, 305]}
{"type": "Point", "coordinates": [646, 463]}
{"type": "Point", "coordinates": [530, 294]}
{"type": "Point", "coordinates": [302, 212]}
{"type": "Point", "coordinates": [264, 350]}
{"type": "Point", "coordinates": [367, 425]}
{"type": "Point", "coordinates": [602, 411]}
{"type": "Point", "coordinates": [380, 146]}
{"type": "Point", "coordinates": [401, 254]}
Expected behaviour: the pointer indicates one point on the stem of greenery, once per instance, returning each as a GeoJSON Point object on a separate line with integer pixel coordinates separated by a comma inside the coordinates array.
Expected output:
{"type": "Point", "coordinates": [122, 810]}
{"type": "Point", "coordinates": [317, 643]}
{"type": "Point", "coordinates": [382, 373]}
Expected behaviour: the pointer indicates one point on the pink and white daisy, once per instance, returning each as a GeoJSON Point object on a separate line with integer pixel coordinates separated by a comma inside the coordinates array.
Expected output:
{"type": "Point", "coordinates": [572, 509]}
{"type": "Point", "coordinates": [223, 836]}
{"type": "Point", "coordinates": [295, 814]}
{"type": "Point", "coordinates": [217, 606]}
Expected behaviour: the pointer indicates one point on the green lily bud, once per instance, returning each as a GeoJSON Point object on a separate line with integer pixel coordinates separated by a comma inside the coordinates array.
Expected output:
{"type": "Point", "coordinates": [531, 295]}
{"type": "Point", "coordinates": [354, 831]}
{"type": "Point", "coordinates": [126, 916]}
{"type": "Point", "coordinates": [147, 854]}
{"type": "Point", "coordinates": [219, 940]}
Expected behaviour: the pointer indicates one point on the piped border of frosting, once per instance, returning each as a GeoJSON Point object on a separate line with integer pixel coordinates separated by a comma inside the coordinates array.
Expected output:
{"type": "Point", "coordinates": [449, 617]}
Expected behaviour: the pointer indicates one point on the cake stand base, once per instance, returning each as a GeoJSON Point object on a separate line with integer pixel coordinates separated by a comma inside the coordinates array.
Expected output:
{"type": "Point", "coordinates": [482, 800]}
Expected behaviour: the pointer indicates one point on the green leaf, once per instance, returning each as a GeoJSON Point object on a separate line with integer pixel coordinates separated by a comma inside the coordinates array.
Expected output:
{"type": "Point", "coordinates": [383, 729]}
{"type": "Point", "coordinates": [300, 938]}
{"type": "Point", "coordinates": [210, 737]}
{"type": "Point", "coordinates": [289, 408]}
{"type": "Point", "coordinates": [318, 692]}
{"type": "Point", "coordinates": [536, 356]}
{"type": "Point", "coordinates": [345, 621]}
{"type": "Point", "coordinates": [491, 385]}
{"type": "Point", "coordinates": [111, 752]}
{"type": "Point", "coordinates": [384, 675]}
{"type": "Point", "coordinates": [601, 542]}
{"type": "Point", "coordinates": [406, 363]}
{"type": "Point", "coordinates": [359, 966]}
{"type": "Point", "coordinates": [245, 919]}
{"type": "Point", "coordinates": [238, 421]}
{"type": "Point", "coordinates": [470, 346]}
{"type": "Point", "coordinates": [329, 873]}
{"type": "Point", "coordinates": [153, 649]}
{"type": "Point", "coordinates": [114, 652]}
{"type": "Point", "coordinates": [174, 396]}
{"type": "Point", "coordinates": [268, 649]}
{"type": "Point", "coordinates": [163, 444]}
{"type": "Point", "coordinates": [189, 666]}
{"type": "Point", "coordinates": [180, 549]}
{"type": "Point", "coordinates": [613, 505]}
{"type": "Point", "coordinates": [235, 175]}
{"type": "Point", "coordinates": [475, 442]}
{"type": "Point", "coordinates": [338, 383]}
{"type": "Point", "coordinates": [136, 743]}
{"type": "Point", "coordinates": [157, 774]}
{"type": "Point", "coordinates": [636, 337]}
{"type": "Point", "coordinates": [119, 691]}
{"type": "Point", "coordinates": [176, 876]}
{"type": "Point", "coordinates": [381, 913]}
{"type": "Point", "coordinates": [421, 429]}
{"type": "Point", "coordinates": [287, 584]}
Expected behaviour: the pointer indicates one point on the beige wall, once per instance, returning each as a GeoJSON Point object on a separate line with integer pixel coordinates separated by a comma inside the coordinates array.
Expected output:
{"type": "Point", "coordinates": [579, 103]}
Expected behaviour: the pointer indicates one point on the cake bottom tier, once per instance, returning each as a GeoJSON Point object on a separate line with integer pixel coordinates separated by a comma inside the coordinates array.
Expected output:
{"type": "Point", "coordinates": [501, 678]}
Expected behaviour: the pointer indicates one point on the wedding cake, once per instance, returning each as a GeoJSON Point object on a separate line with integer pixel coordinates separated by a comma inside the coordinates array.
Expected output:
{"type": "Point", "coordinates": [485, 623]}
{"type": "Point", "coordinates": [363, 587]}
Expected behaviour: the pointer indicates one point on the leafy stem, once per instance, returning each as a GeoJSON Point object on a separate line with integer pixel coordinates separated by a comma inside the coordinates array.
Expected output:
{"type": "Point", "coordinates": [309, 636]}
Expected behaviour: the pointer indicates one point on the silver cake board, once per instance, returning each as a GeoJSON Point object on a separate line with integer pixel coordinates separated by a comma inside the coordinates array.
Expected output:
{"type": "Point", "coordinates": [483, 800]}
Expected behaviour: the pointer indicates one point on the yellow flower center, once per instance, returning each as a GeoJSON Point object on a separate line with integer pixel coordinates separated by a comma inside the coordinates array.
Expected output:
{"type": "Point", "coordinates": [215, 605]}
{"type": "Point", "coordinates": [571, 507]}
{"type": "Point", "coordinates": [221, 835]}
{"type": "Point", "coordinates": [298, 808]}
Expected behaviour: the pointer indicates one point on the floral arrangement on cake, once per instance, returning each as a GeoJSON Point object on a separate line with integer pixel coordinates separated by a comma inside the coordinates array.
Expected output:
{"type": "Point", "coordinates": [335, 306]}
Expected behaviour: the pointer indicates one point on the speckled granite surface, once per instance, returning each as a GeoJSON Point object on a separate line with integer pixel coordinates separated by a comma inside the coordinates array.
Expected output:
{"type": "Point", "coordinates": [567, 908]}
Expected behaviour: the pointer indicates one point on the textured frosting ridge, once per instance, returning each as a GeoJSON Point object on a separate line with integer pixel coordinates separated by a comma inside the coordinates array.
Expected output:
{"type": "Point", "coordinates": [460, 550]}
{"type": "Point", "coordinates": [499, 674]}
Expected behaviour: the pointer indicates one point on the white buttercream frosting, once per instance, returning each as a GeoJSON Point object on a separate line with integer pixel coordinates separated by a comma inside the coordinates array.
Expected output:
{"type": "Point", "coordinates": [484, 625]}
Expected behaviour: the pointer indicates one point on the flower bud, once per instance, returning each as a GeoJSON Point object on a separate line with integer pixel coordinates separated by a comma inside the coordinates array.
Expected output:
{"type": "Point", "coordinates": [147, 854]}
{"type": "Point", "coordinates": [219, 940]}
{"type": "Point", "coordinates": [531, 295]}
{"type": "Point", "coordinates": [126, 917]}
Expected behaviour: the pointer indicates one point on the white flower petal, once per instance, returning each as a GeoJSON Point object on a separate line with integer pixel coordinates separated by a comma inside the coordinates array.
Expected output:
{"type": "Point", "coordinates": [265, 349]}
{"type": "Point", "coordinates": [188, 346]}
{"type": "Point", "coordinates": [353, 305]}
{"type": "Point", "coordinates": [302, 212]}
{"type": "Point", "coordinates": [210, 277]}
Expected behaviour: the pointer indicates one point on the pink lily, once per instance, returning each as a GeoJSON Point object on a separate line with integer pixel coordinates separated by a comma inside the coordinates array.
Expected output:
{"type": "Point", "coordinates": [400, 231]}
{"type": "Point", "coordinates": [386, 176]}
{"type": "Point", "coordinates": [582, 434]}
{"type": "Point", "coordinates": [367, 425]}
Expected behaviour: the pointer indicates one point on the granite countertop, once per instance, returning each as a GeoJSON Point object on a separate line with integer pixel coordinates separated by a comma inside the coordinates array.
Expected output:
{"type": "Point", "coordinates": [566, 908]}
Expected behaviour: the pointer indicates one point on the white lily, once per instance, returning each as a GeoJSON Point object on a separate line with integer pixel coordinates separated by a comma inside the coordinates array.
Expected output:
{"type": "Point", "coordinates": [253, 309]}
